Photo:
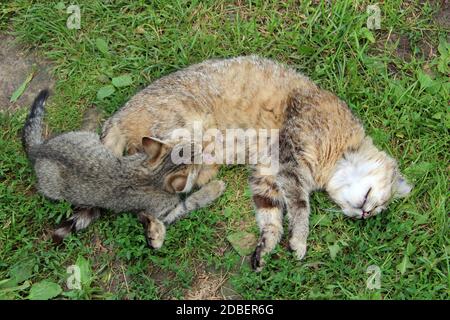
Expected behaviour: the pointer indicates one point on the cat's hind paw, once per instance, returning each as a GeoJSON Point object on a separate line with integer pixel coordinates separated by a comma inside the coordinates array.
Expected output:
{"type": "Point", "coordinates": [256, 259]}
{"type": "Point", "coordinates": [299, 248]}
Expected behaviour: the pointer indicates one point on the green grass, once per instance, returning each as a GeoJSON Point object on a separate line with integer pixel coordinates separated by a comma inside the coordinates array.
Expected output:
{"type": "Point", "coordinates": [402, 102]}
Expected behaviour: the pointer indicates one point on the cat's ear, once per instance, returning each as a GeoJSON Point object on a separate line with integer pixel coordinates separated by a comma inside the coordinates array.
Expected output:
{"type": "Point", "coordinates": [402, 188]}
{"type": "Point", "coordinates": [154, 148]}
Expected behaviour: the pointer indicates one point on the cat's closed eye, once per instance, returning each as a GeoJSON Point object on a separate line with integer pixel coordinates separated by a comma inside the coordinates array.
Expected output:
{"type": "Point", "coordinates": [365, 199]}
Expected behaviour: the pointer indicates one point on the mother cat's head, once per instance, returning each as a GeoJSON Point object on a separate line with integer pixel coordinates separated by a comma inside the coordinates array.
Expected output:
{"type": "Point", "coordinates": [365, 180]}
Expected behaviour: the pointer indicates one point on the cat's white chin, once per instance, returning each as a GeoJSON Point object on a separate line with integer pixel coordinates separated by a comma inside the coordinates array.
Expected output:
{"type": "Point", "coordinates": [353, 213]}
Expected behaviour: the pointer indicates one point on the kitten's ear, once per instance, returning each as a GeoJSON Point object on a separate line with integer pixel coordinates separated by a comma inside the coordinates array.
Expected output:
{"type": "Point", "coordinates": [402, 187]}
{"type": "Point", "coordinates": [177, 183]}
{"type": "Point", "coordinates": [154, 148]}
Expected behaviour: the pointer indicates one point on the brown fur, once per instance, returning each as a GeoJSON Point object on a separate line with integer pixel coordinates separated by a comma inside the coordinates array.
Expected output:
{"type": "Point", "coordinates": [326, 129]}
{"type": "Point", "coordinates": [244, 92]}
{"type": "Point", "coordinates": [318, 131]}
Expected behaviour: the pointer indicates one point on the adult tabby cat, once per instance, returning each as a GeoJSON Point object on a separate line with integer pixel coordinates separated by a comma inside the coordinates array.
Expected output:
{"type": "Point", "coordinates": [323, 146]}
{"type": "Point", "coordinates": [76, 167]}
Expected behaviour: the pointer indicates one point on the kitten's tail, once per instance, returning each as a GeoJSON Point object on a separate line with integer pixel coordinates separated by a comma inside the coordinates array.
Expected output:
{"type": "Point", "coordinates": [32, 131]}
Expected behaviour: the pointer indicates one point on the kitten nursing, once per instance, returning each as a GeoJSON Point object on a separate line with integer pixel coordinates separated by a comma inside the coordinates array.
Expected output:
{"type": "Point", "coordinates": [76, 167]}
{"type": "Point", "coordinates": [322, 145]}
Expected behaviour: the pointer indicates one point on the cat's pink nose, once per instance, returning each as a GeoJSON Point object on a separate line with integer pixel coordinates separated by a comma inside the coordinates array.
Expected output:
{"type": "Point", "coordinates": [366, 214]}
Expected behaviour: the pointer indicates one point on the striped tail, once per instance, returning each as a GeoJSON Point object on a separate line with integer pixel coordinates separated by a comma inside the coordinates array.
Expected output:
{"type": "Point", "coordinates": [32, 131]}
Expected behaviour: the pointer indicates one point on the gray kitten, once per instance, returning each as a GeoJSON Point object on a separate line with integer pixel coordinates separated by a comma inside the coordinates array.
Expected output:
{"type": "Point", "coordinates": [76, 167]}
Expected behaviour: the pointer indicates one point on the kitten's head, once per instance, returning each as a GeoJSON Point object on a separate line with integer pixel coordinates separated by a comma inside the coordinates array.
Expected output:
{"type": "Point", "coordinates": [177, 177]}
{"type": "Point", "coordinates": [365, 180]}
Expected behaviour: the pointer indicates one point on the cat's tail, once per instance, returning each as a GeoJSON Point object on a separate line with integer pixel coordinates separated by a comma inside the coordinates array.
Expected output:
{"type": "Point", "coordinates": [32, 131]}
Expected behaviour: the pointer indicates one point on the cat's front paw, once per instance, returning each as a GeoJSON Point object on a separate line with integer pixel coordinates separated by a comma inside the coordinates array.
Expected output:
{"type": "Point", "coordinates": [298, 246]}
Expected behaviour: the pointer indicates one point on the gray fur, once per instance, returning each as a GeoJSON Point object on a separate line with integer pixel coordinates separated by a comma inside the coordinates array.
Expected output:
{"type": "Point", "coordinates": [76, 167]}
{"type": "Point", "coordinates": [32, 131]}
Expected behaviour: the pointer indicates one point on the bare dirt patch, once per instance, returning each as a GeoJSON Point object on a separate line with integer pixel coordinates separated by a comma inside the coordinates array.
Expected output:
{"type": "Point", "coordinates": [442, 17]}
{"type": "Point", "coordinates": [161, 278]}
{"type": "Point", "coordinates": [206, 287]}
{"type": "Point", "coordinates": [16, 64]}
{"type": "Point", "coordinates": [215, 284]}
{"type": "Point", "coordinates": [427, 50]}
{"type": "Point", "coordinates": [397, 45]}
{"type": "Point", "coordinates": [400, 46]}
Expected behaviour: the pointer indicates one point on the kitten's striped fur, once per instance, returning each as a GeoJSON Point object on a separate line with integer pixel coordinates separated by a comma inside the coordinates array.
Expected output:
{"type": "Point", "coordinates": [76, 167]}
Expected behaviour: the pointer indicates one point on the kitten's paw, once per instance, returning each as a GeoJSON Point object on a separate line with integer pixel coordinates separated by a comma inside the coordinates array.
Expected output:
{"type": "Point", "coordinates": [207, 194]}
{"type": "Point", "coordinates": [206, 174]}
{"type": "Point", "coordinates": [155, 230]}
{"type": "Point", "coordinates": [156, 234]}
{"type": "Point", "coordinates": [155, 243]}
{"type": "Point", "coordinates": [299, 247]}
{"type": "Point", "coordinates": [218, 187]}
